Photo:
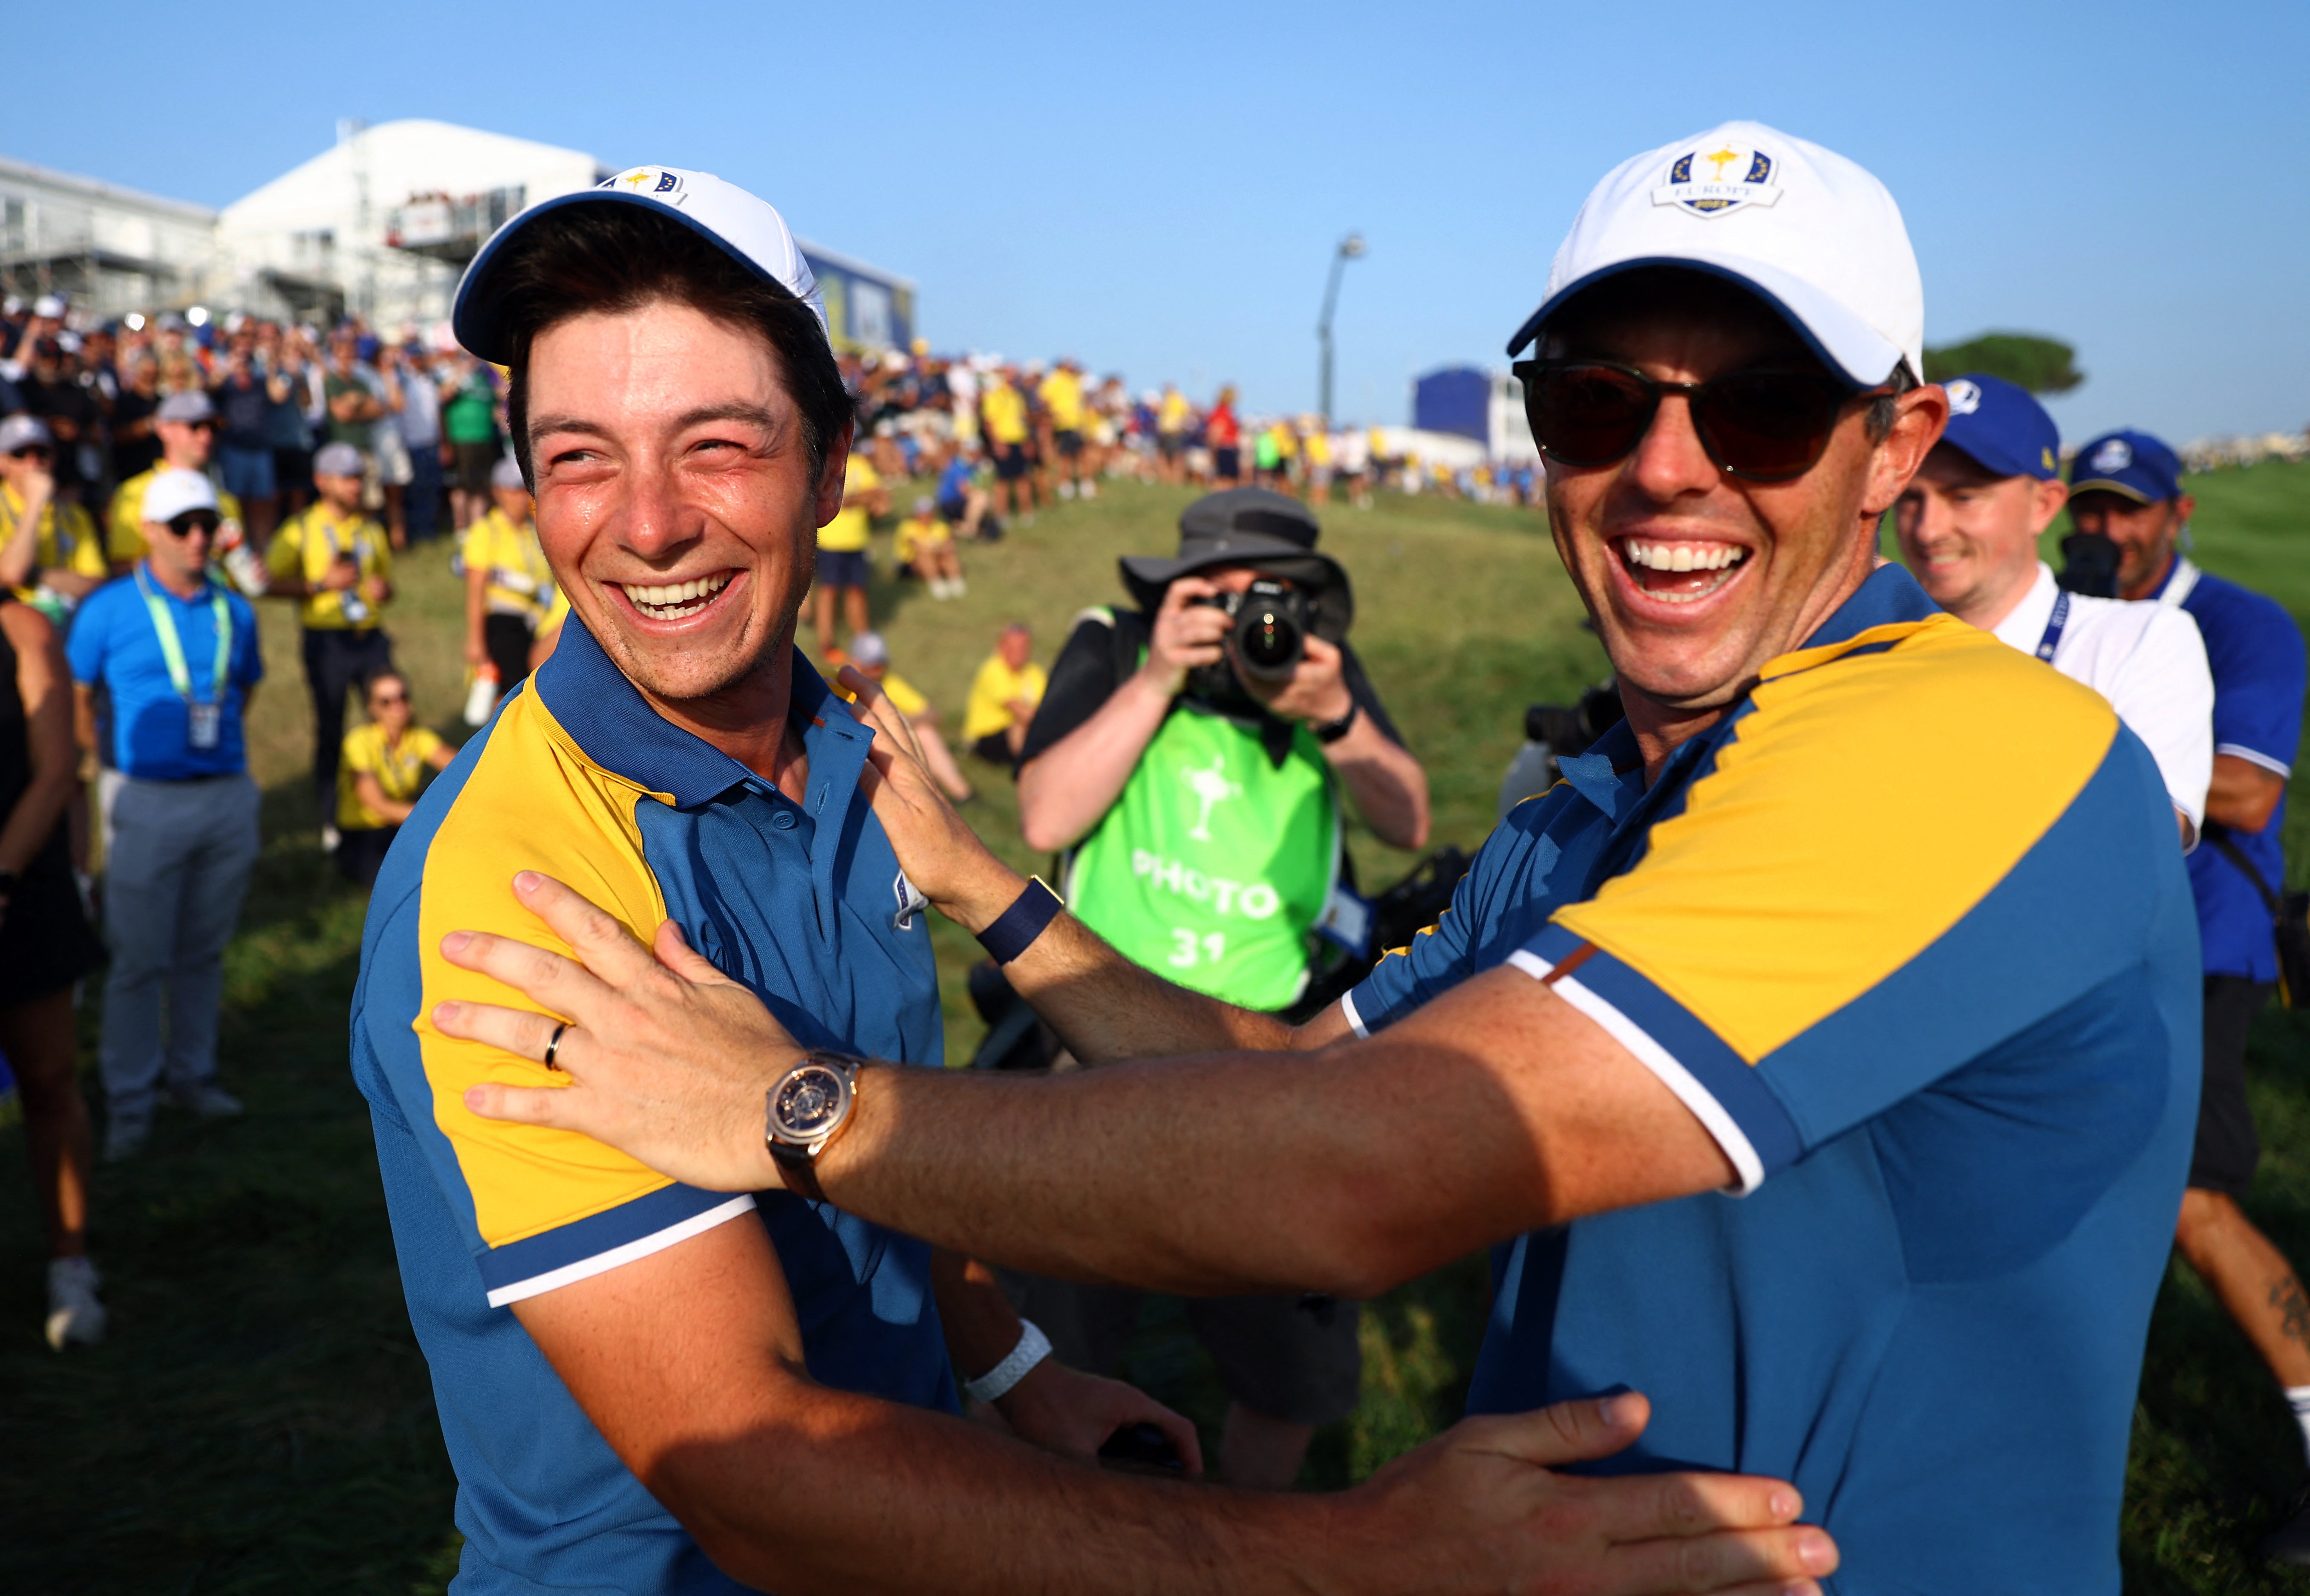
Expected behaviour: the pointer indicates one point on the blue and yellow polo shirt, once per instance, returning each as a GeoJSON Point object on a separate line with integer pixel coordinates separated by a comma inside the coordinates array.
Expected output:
{"type": "Point", "coordinates": [578, 777]}
{"type": "Point", "coordinates": [1909, 932]}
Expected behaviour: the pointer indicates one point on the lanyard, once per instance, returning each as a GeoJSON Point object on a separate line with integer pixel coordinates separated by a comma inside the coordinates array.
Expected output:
{"type": "Point", "coordinates": [2052, 637]}
{"type": "Point", "coordinates": [172, 647]}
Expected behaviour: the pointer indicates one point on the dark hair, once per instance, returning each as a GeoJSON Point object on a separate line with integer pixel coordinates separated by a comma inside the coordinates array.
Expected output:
{"type": "Point", "coordinates": [615, 258]}
{"type": "Point", "coordinates": [1886, 408]}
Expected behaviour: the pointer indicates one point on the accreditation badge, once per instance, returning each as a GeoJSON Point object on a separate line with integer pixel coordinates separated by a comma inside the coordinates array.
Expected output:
{"type": "Point", "coordinates": [204, 724]}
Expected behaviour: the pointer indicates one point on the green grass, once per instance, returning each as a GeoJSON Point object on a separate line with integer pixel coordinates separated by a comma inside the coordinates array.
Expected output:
{"type": "Point", "coordinates": [261, 1422]}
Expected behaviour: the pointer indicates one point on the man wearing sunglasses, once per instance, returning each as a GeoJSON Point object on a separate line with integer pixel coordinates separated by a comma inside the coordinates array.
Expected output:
{"type": "Point", "coordinates": [165, 664]}
{"type": "Point", "coordinates": [49, 552]}
{"type": "Point", "coordinates": [186, 425]}
{"type": "Point", "coordinates": [1820, 1054]}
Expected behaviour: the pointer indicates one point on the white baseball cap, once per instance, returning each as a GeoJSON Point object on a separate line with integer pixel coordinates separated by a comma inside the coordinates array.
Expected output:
{"type": "Point", "coordinates": [1813, 234]}
{"type": "Point", "coordinates": [750, 230]}
{"type": "Point", "coordinates": [171, 493]}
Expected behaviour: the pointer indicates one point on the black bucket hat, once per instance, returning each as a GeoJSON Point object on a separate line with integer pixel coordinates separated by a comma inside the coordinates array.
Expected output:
{"type": "Point", "coordinates": [1254, 526]}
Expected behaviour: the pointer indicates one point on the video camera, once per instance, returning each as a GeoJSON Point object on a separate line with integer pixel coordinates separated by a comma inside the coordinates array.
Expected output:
{"type": "Point", "coordinates": [1271, 621]}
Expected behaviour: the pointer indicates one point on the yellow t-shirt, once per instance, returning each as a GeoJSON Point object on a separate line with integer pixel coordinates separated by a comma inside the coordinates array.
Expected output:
{"type": "Point", "coordinates": [123, 521]}
{"type": "Point", "coordinates": [309, 543]}
{"type": "Point", "coordinates": [1006, 413]}
{"type": "Point", "coordinates": [399, 770]}
{"type": "Point", "coordinates": [1175, 414]}
{"type": "Point", "coordinates": [67, 540]}
{"type": "Point", "coordinates": [1319, 448]}
{"type": "Point", "coordinates": [992, 692]}
{"type": "Point", "coordinates": [847, 530]}
{"type": "Point", "coordinates": [916, 535]}
{"type": "Point", "coordinates": [902, 695]}
{"type": "Point", "coordinates": [520, 581]}
{"type": "Point", "coordinates": [1062, 395]}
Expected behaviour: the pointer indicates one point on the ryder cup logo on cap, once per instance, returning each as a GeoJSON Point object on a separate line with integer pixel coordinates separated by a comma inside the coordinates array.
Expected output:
{"type": "Point", "coordinates": [2132, 464]}
{"type": "Point", "coordinates": [1729, 177]}
{"type": "Point", "coordinates": [1814, 235]}
{"type": "Point", "coordinates": [2003, 427]}
{"type": "Point", "coordinates": [747, 229]}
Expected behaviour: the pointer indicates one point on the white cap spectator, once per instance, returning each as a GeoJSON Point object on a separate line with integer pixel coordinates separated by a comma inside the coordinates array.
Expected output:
{"type": "Point", "coordinates": [749, 229]}
{"type": "Point", "coordinates": [339, 460]}
{"type": "Point", "coordinates": [505, 474]}
{"type": "Point", "coordinates": [1813, 233]}
{"type": "Point", "coordinates": [171, 494]}
{"type": "Point", "coordinates": [190, 406]}
{"type": "Point", "coordinates": [21, 432]}
{"type": "Point", "coordinates": [867, 650]}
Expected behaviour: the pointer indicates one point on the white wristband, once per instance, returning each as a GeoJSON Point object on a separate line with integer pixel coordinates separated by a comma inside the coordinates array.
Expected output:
{"type": "Point", "coordinates": [1033, 1347]}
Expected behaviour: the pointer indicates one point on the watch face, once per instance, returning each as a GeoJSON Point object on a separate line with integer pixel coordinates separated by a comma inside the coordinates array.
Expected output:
{"type": "Point", "coordinates": [810, 1102]}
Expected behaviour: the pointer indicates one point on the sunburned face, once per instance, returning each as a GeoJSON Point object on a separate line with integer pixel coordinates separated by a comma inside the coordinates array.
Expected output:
{"type": "Point", "coordinates": [675, 500]}
{"type": "Point", "coordinates": [1695, 577]}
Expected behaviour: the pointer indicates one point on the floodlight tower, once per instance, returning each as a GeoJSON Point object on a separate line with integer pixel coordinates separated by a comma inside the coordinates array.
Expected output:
{"type": "Point", "coordinates": [1350, 248]}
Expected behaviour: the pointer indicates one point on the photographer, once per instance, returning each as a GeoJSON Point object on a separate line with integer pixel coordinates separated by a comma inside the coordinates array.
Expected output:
{"type": "Point", "coordinates": [1198, 796]}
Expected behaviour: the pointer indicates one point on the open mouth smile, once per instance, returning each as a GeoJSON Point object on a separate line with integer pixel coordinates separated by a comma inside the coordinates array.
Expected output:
{"type": "Point", "coordinates": [1676, 572]}
{"type": "Point", "coordinates": [674, 601]}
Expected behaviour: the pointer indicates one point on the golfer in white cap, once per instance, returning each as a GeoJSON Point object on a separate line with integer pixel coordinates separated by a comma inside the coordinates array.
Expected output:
{"type": "Point", "coordinates": [1819, 1057]}
{"type": "Point", "coordinates": [646, 1386]}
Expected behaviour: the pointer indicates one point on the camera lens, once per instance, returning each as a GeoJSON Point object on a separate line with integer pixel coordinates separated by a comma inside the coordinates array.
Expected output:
{"type": "Point", "coordinates": [1268, 635]}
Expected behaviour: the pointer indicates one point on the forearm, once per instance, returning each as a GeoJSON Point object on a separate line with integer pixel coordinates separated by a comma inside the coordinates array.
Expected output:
{"type": "Point", "coordinates": [844, 1494]}
{"type": "Point", "coordinates": [1389, 787]}
{"type": "Point", "coordinates": [17, 555]}
{"type": "Point", "coordinates": [1065, 789]}
{"type": "Point", "coordinates": [1349, 1171]}
{"type": "Point", "coordinates": [2242, 795]}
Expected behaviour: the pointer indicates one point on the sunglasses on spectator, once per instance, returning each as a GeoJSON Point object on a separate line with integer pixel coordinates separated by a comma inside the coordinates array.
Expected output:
{"type": "Point", "coordinates": [1761, 426]}
{"type": "Point", "coordinates": [381, 699]}
{"type": "Point", "coordinates": [193, 521]}
{"type": "Point", "coordinates": [34, 451]}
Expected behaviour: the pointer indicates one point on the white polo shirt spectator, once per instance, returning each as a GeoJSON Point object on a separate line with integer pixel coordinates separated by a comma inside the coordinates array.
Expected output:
{"type": "Point", "coordinates": [1968, 527]}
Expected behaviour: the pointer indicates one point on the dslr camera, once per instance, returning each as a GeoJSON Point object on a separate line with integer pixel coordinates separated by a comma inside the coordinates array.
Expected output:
{"type": "Point", "coordinates": [1269, 638]}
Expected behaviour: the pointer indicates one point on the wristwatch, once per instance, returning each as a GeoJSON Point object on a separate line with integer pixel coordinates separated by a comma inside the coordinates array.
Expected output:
{"type": "Point", "coordinates": [808, 1106]}
{"type": "Point", "coordinates": [1331, 730]}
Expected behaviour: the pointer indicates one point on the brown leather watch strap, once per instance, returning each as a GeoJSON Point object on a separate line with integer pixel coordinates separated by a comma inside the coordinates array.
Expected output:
{"type": "Point", "coordinates": [799, 1170]}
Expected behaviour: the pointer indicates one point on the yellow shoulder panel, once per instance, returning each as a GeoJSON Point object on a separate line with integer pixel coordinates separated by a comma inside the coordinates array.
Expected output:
{"type": "Point", "coordinates": [532, 802]}
{"type": "Point", "coordinates": [1869, 801]}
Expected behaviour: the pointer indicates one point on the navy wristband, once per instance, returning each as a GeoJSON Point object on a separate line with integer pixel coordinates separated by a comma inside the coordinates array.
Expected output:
{"type": "Point", "coordinates": [1015, 929]}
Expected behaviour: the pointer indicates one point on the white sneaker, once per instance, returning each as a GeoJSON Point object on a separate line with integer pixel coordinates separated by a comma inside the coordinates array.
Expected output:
{"type": "Point", "coordinates": [1090, 490]}
{"type": "Point", "coordinates": [955, 589]}
{"type": "Point", "coordinates": [330, 838]}
{"type": "Point", "coordinates": [74, 1312]}
{"type": "Point", "coordinates": [126, 1136]}
{"type": "Point", "coordinates": [208, 1100]}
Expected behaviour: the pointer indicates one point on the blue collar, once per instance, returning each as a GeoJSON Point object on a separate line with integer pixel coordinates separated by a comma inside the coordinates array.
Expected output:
{"type": "Point", "coordinates": [1889, 595]}
{"type": "Point", "coordinates": [616, 728]}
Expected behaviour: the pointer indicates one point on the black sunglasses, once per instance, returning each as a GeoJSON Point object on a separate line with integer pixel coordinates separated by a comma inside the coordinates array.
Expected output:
{"type": "Point", "coordinates": [184, 526]}
{"type": "Point", "coordinates": [34, 451]}
{"type": "Point", "coordinates": [1763, 426]}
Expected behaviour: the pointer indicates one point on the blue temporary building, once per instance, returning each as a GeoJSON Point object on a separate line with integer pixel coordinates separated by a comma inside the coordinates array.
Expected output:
{"type": "Point", "coordinates": [867, 308]}
{"type": "Point", "coordinates": [1456, 399]}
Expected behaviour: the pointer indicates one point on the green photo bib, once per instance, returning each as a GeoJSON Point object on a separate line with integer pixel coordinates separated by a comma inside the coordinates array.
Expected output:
{"type": "Point", "coordinates": [1215, 863]}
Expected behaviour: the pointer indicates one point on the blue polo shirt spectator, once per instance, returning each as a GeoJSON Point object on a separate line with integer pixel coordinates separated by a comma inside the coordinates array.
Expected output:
{"type": "Point", "coordinates": [168, 656]}
{"type": "Point", "coordinates": [2256, 654]}
{"type": "Point", "coordinates": [1908, 930]}
{"type": "Point", "coordinates": [578, 778]}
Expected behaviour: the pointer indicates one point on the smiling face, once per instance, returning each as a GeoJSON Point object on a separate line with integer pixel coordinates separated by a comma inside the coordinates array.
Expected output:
{"type": "Point", "coordinates": [2144, 534]}
{"type": "Point", "coordinates": [1969, 537]}
{"type": "Point", "coordinates": [1695, 578]}
{"type": "Point", "coordinates": [675, 500]}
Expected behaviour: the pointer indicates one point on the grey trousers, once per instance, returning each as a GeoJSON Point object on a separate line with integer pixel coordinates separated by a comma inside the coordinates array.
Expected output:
{"type": "Point", "coordinates": [179, 861]}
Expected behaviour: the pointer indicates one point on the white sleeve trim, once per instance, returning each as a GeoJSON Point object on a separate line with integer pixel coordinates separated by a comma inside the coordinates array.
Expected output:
{"type": "Point", "coordinates": [1354, 1021]}
{"type": "Point", "coordinates": [600, 1264]}
{"type": "Point", "coordinates": [1707, 1109]}
{"type": "Point", "coordinates": [2239, 752]}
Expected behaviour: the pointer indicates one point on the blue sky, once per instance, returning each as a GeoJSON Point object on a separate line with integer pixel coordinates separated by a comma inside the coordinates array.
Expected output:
{"type": "Point", "coordinates": [1158, 189]}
